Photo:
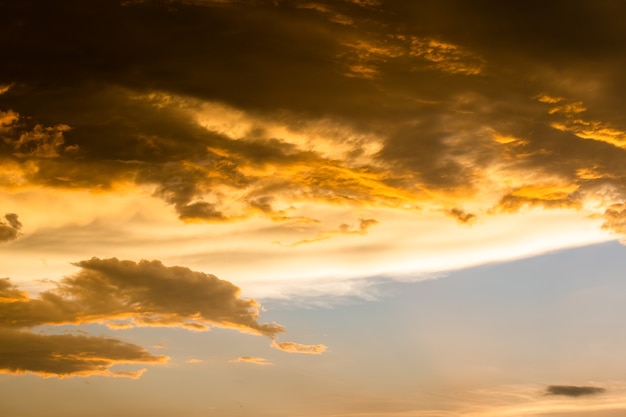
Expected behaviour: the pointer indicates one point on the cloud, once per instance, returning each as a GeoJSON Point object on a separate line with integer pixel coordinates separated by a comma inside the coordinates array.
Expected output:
{"type": "Point", "coordinates": [461, 215]}
{"type": "Point", "coordinates": [431, 117]}
{"type": "Point", "coordinates": [573, 391]}
{"type": "Point", "coordinates": [120, 294]}
{"type": "Point", "coordinates": [69, 355]}
{"type": "Point", "coordinates": [9, 229]}
{"type": "Point", "coordinates": [405, 129]}
{"type": "Point", "coordinates": [252, 360]}
{"type": "Point", "coordinates": [144, 293]}
{"type": "Point", "coordinates": [292, 347]}
{"type": "Point", "coordinates": [543, 195]}
{"type": "Point", "coordinates": [344, 229]}
{"type": "Point", "coordinates": [447, 57]}
{"type": "Point", "coordinates": [615, 218]}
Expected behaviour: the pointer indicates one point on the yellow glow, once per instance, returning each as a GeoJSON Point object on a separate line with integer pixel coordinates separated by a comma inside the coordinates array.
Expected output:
{"type": "Point", "coordinates": [545, 192]}
{"type": "Point", "coordinates": [589, 174]}
{"type": "Point", "coordinates": [585, 129]}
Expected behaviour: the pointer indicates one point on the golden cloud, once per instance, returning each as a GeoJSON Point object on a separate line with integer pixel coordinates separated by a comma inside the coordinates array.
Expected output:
{"type": "Point", "coordinates": [446, 56]}
{"type": "Point", "coordinates": [292, 347]}
{"type": "Point", "coordinates": [543, 195]}
{"type": "Point", "coordinates": [571, 120]}
{"type": "Point", "coordinates": [144, 293]}
{"type": "Point", "coordinates": [120, 294]}
{"type": "Point", "coordinates": [615, 218]}
{"type": "Point", "coordinates": [408, 122]}
{"type": "Point", "coordinates": [344, 229]}
{"type": "Point", "coordinates": [252, 360]}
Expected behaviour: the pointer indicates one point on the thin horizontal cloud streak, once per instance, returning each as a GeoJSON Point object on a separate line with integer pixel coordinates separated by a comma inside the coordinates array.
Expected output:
{"type": "Point", "coordinates": [10, 227]}
{"type": "Point", "coordinates": [252, 360]}
{"type": "Point", "coordinates": [292, 347]}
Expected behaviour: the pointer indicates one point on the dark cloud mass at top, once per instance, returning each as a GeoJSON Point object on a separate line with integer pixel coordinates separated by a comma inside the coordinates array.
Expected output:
{"type": "Point", "coordinates": [450, 93]}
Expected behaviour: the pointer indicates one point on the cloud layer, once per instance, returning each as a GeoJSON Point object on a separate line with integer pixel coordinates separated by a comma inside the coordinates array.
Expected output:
{"type": "Point", "coordinates": [259, 111]}
{"type": "Point", "coordinates": [120, 294]}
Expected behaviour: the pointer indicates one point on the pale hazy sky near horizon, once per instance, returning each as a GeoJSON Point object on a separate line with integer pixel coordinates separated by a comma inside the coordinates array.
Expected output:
{"type": "Point", "coordinates": [312, 208]}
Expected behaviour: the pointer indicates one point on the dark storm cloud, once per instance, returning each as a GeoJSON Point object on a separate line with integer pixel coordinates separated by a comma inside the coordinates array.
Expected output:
{"type": "Point", "coordinates": [248, 54]}
{"type": "Point", "coordinates": [451, 89]}
{"type": "Point", "coordinates": [10, 227]}
{"type": "Point", "coordinates": [278, 55]}
{"type": "Point", "coordinates": [573, 391]}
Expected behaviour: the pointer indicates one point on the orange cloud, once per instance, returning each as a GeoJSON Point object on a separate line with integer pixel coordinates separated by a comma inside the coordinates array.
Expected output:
{"type": "Point", "coordinates": [571, 120]}
{"type": "Point", "coordinates": [615, 218]}
{"type": "Point", "coordinates": [543, 195]}
{"type": "Point", "coordinates": [292, 347]}
{"type": "Point", "coordinates": [252, 360]}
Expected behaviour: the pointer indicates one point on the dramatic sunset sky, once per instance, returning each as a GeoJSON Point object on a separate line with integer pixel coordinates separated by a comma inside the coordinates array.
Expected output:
{"type": "Point", "coordinates": [325, 208]}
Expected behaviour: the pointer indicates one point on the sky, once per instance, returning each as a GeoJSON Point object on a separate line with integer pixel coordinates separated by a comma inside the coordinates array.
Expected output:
{"type": "Point", "coordinates": [334, 208]}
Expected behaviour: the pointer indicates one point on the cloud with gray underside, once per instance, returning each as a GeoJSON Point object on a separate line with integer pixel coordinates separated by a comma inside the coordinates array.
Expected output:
{"type": "Point", "coordinates": [573, 390]}
{"type": "Point", "coordinates": [127, 293]}
{"type": "Point", "coordinates": [120, 294]}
